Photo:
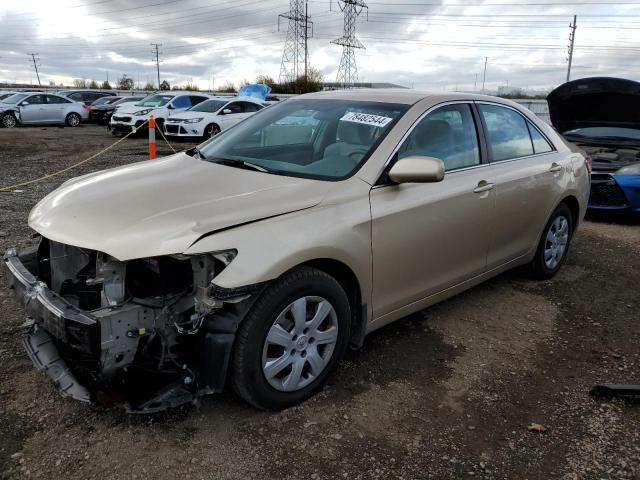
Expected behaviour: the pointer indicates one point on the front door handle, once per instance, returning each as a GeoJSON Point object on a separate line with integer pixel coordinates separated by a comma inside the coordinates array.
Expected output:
{"type": "Point", "coordinates": [483, 186]}
{"type": "Point", "coordinates": [555, 167]}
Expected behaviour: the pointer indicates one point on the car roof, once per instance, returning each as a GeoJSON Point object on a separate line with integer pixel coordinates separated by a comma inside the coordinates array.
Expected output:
{"type": "Point", "coordinates": [398, 95]}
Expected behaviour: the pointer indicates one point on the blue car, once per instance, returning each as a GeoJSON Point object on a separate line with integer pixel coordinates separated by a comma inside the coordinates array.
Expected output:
{"type": "Point", "coordinates": [601, 117]}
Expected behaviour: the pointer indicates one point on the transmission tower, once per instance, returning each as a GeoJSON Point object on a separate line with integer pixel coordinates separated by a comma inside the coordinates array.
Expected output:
{"type": "Point", "coordinates": [294, 55]}
{"type": "Point", "coordinates": [348, 71]}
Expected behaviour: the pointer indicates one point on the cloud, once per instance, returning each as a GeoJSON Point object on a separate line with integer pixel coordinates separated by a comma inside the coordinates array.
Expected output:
{"type": "Point", "coordinates": [439, 45]}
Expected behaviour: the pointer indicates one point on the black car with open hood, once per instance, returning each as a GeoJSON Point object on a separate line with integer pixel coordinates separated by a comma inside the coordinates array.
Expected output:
{"type": "Point", "coordinates": [595, 102]}
{"type": "Point", "coordinates": [601, 116]}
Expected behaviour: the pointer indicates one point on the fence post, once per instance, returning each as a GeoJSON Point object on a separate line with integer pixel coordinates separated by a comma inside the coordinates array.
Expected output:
{"type": "Point", "coordinates": [152, 138]}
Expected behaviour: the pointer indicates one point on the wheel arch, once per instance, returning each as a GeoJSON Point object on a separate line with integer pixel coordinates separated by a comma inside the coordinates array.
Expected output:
{"type": "Point", "coordinates": [348, 280]}
{"type": "Point", "coordinates": [574, 207]}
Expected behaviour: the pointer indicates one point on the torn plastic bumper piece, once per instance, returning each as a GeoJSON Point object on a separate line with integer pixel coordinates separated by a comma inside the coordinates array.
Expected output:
{"type": "Point", "coordinates": [44, 354]}
{"type": "Point", "coordinates": [610, 390]}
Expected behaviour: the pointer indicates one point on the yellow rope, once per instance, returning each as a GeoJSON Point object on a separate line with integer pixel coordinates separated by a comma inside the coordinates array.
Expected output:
{"type": "Point", "coordinates": [165, 139]}
{"type": "Point", "coordinates": [49, 175]}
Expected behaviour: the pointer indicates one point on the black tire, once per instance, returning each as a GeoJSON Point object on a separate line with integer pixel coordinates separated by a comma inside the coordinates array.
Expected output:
{"type": "Point", "coordinates": [8, 120]}
{"type": "Point", "coordinates": [211, 131]}
{"type": "Point", "coordinates": [247, 377]}
{"type": "Point", "coordinates": [73, 120]}
{"type": "Point", "coordinates": [538, 268]}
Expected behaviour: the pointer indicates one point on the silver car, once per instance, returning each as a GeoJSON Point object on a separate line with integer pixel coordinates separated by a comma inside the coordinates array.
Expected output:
{"type": "Point", "coordinates": [36, 108]}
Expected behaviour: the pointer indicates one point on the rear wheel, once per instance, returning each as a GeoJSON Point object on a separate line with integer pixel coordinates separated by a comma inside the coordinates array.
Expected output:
{"type": "Point", "coordinates": [73, 120]}
{"type": "Point", "coordinates": [291, 340]}
{"type": "Point", "coordinates": [211, 130]}
{"type": "Point", "coordinates": [9, 120]}
{"type": "Point", "coordinates": [554, 244]}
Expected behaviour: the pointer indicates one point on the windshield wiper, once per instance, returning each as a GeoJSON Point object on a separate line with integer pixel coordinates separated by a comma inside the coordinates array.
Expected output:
{"type": "Point", "coordinates": [242, 164]}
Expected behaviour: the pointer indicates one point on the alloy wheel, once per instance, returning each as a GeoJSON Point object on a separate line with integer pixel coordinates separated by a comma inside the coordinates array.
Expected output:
{"type": "Point", "coordinates": [8, 121]}
{"type": "Point", "coordinates": [300, 343]}
{"type": "Point", "coordinates": [556, 242]}
{"type": "Point", "coordinates": [212, 131]}
{"type": "Point", "coordinates": [73, 120]}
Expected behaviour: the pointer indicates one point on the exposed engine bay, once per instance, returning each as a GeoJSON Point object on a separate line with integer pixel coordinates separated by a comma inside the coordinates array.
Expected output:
{"type": "Point", "coordinates": [148, 333]}
{"type": "Point", "coordinates": [610, 159]}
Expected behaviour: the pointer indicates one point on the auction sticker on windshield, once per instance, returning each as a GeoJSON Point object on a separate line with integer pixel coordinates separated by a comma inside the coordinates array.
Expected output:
{"type": "Point", "coordinates": [366, 119]}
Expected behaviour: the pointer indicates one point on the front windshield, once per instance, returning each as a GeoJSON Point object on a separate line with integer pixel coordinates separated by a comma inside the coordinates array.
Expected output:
{"type": "Point", "coordinates": [604, 132]}
{"type": "Point", "coordinates": [210, 106]}
{"type": "Point", "coordinates": [324, 139]}
{"type": "Point", "coordinates": [126, 100]}
{"type": "Point", "coordinates": [156, 101]}
{"type": "Point", "coordinates": [5, 95]}
{"type": "Point", "coordinates": [13, 99]}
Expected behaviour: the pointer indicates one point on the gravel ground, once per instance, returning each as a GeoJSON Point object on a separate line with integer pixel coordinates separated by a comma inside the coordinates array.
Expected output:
{"type": "Point", "coordinates": [446, 393]}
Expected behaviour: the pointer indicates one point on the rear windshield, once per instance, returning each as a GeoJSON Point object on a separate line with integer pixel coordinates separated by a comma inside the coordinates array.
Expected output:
{"type": "Point", "coordinates": [156, 100]}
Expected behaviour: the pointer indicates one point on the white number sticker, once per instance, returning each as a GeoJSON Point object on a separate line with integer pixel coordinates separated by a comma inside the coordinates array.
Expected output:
{"type": "Point", "coordinates": [366, 119]}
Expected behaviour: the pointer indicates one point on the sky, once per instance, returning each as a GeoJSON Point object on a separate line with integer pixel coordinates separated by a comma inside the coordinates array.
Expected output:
{"type": "Point", "coordinates": [437, 45]}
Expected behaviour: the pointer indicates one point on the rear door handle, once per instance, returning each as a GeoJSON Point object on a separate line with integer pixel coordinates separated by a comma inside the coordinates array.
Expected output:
{"type": "Point", "coordinates": [483, 186]}
{"type": "Point", "coordinates": [555, 167]}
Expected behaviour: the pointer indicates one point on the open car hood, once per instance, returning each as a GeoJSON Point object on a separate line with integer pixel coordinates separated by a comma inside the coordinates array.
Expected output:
{"type": "Point", "coordinates": [595, 102]}
{"type": "Point", "coordinates": [162, 207]}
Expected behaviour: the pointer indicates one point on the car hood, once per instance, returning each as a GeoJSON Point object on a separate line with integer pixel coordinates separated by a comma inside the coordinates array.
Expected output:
{"type": "Point", "coordinates": [595, 102]}
{"type": "Point", "coordinates": [129, 109]}
{"type": "Point", "coordinates": [164, 206]}
{"type": "Point", "coordinates": [187, 114]}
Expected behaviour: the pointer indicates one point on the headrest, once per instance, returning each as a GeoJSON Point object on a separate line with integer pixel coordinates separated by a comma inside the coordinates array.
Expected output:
{"type": "Point", "coordinates": [355, 133]}
{"type": "Point", "coordinates": [433, 132]}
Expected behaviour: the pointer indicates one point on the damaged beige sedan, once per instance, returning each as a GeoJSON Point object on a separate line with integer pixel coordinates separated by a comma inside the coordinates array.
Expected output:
{"type": "Point", "coordinates": [255, 260]}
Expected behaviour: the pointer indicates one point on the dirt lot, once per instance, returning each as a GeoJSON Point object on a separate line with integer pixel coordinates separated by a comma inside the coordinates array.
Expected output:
{"type": "Point", "coordinates": [447, 393]}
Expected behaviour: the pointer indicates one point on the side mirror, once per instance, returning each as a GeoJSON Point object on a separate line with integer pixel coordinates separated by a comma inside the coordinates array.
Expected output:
{"type": "Point", "coordinates": [226, 111]}
{"type": "Point", "coordinates": [24, 104]}
{"type": "Point", "coordinates": [170, 107]}
{"type": "Point", "coordinates": [417, 169]}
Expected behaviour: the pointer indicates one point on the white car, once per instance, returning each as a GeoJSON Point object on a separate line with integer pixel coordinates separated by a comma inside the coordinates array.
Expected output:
{"type": "Point", "coordinates": [162, 105]}
{"type": "Point", "coordinates": [211, 117]}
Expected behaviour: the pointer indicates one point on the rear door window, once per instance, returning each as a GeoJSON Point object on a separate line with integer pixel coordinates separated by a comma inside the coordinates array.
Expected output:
{"type": "Point", "coordinates": [540, 144]}
{"type": "Point", "coordinates": [507, 133]}
{"type": "Point", "coordinates": [448, 133]}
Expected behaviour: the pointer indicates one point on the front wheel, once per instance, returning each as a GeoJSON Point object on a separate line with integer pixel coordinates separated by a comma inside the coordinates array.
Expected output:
{"type": "Point", "coordinates": [211, 130]}
{"type": "Point", "coordinates": [554, 244]}
{"type": "Point", "coordinates": [9, 120]}
{"type": "Point", "coordinates": [73, 120]}
{"type": "Point", "coordinates": [291, 340]}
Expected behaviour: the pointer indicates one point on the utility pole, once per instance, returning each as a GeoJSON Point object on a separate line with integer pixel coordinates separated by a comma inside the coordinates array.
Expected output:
{"type": "Point", "coordinates": [35, 65]}
{"type": "Point", "coordinates": [156, 53]}
{"type": "Point", "coordinates": [484, 75]}
{"type": "Point", "coordinates": [572, 37]}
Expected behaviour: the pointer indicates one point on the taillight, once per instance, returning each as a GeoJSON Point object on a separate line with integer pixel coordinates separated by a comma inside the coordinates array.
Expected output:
{"type": "Point", "coordinates": [587, 164]}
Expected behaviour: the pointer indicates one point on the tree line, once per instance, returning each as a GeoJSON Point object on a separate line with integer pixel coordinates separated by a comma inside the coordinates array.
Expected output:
{"type": "Point", "coordinates": [313, 82]}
